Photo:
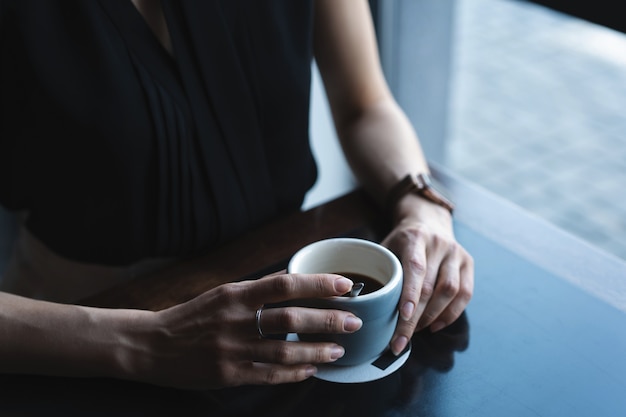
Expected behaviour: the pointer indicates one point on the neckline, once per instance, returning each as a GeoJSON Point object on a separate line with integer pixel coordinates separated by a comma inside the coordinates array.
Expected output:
{"type": "Point", "coordinates": [168, 35]}
{"type": "Point", "coordinates": [143, 44]}
{"type": "Point", "coordinates": [138, 34]}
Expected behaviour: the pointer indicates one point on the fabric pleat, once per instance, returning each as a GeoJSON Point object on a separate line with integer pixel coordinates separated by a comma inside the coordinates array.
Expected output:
{"type": "Point", "coordinates": [120, 151]}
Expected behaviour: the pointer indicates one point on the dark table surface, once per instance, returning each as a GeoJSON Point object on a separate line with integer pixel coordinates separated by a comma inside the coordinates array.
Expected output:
{"type": "Point", "coordinates": [544, 335]}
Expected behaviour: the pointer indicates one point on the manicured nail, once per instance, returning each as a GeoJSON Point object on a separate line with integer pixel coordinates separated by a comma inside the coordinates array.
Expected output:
{"type": "Point", "coordinates": [310, 371]}
{"type": "Point", "coordinates": [407, 310]}
{"type": "Point", "coordinates": [352, 324]}
{"type": "Point", "coordinates": [343, 285]}
{"type": "Point", "coordinates": [337, 352]}
{"type": "Point", "coordinates": [399, 344]}
{"type": "Point", "coordinates": [436, 326]}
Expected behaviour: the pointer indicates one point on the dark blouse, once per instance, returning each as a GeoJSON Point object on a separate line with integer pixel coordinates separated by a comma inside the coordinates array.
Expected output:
{"type": "Point", "coordinates": [120, 152]}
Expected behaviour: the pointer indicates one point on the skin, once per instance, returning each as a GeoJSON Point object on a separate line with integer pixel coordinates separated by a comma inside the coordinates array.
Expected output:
{"type": "Point", "coordinates": [211, 341]}
{"type": "Point", "coordinates": [382, 147]}
{"type": "Point", "coordinates": [208, 342]}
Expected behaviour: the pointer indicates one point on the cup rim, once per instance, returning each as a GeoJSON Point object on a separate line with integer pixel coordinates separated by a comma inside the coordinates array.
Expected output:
{"type": "Point", "coordinates": [388, 287]}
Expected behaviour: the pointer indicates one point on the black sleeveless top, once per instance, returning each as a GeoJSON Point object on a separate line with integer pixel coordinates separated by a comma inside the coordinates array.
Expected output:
{"type": "Point", "coordinates": [119, 151]}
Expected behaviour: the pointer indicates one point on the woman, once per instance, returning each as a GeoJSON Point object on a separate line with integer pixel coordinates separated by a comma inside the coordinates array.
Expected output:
{"type": "Point", "coordinates": [134, 133]}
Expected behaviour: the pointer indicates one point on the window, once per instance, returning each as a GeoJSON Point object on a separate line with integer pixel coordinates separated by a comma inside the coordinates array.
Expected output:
{"type": "Point", "coordinates": [521, 99]}
{"type": "Point", "coordinates": [537, 114]}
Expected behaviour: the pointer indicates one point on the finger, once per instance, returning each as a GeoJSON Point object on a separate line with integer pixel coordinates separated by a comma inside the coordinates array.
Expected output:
{"type": "Point", "coordinates": [294, 353]}
{"type": "Point", "coordinates": [456, 307]}
{"type": "Point", "coordinates": [446, 289]}
{"type": "Point", "coordinates": [258, 373]}
{"type": "Point", "coordinates": [278, 288]}
{"type": "Point", "coordinates": [415, 271]}
{"type": "Point", "coordinates": [308, 320]}
{"type": "Point", "coordinates": [407, 325]}
{"type": "Point", "coordinates": [402, 335]}
{"type": "Point", "coordinates": [427, 292]}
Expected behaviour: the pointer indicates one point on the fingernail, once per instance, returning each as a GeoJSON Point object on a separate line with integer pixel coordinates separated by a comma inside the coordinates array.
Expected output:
{"type": "Point", "coordinates": [407, 310]}
{"type": "Point", "coordinates": [436, 326]}
{"type": "Point", "coordinates": [343, 285]}
{"type": "Point", "coordinates": [399, 344]}
{"type": "Point", "coordinates": [337, 352]}
{"type": "Point", "coordinates": [310, 371]}
{"type": "Point", "coordinates": [352, 324]}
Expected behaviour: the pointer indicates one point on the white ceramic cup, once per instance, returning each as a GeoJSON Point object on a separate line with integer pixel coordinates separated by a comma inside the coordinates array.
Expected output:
{"type": "Point", "coordinates": [378, 310]}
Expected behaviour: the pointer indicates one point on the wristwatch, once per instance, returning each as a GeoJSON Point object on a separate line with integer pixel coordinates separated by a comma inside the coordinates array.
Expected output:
{"type": "Point", "coordinates": [423, 185]}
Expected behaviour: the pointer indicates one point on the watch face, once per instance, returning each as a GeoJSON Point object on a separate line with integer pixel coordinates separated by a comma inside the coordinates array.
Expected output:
{"type": "Point", "coordinates": [425, 179]}
{"type": "Point", "coordinates": [423, 185]}
{"type": "Point", "coordinates": [433, 191]}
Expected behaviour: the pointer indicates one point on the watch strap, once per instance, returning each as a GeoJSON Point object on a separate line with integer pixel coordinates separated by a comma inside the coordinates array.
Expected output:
{"type": "Point", "coordinates": [423, 185]}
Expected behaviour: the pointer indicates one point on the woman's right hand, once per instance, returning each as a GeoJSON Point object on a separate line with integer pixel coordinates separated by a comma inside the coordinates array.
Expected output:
{"type": "Point", "coordinates": [212, 340]}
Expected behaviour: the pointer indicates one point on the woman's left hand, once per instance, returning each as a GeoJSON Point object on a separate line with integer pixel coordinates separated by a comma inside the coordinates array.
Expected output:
{"type": "Point", "coordinates": [438, 271]}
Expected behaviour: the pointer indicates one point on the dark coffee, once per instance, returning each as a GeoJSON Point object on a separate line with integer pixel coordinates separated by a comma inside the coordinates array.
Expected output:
{"type": "Point", "coordinates": [371, 284]}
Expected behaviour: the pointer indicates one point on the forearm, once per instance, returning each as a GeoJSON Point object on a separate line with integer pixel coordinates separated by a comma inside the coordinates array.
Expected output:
{"type": "Point", "coordinates": [46, 338]}
{"type": "Point", "coordinates": [381, 147]}
{"type": "Point", "coordinates": [378, 140]}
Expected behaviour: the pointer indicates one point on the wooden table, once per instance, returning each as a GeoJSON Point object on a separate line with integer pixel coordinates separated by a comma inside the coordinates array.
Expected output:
{"type": "Point", "coordinates": [544, 335]}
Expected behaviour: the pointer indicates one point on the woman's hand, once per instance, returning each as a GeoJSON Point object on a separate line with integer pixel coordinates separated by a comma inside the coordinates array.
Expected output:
{"type": "Point", "coordinates": [212, 341]}
{"type": "Point", "coordinates": [438, 271]}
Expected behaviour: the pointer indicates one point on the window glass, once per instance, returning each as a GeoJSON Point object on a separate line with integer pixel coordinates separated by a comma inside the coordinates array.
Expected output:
{"type": "Point", "coordinates": [537, 114]}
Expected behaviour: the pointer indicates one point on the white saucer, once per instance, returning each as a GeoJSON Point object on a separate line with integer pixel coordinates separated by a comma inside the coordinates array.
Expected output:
{"type": "Point", "coordinates": [384, 365]}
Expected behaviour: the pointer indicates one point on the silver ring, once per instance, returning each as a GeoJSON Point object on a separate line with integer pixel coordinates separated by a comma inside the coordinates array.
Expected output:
{"type": "Point", "coordinates": [258, 322]}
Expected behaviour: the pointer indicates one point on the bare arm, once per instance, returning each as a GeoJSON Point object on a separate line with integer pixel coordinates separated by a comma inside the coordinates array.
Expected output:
{"type": "Point", "coordinates": [379, 141]}
{"type": "Point", "coordinates": [41, 337]}
{"type": "Point", "coordinates": [210, 341]}
{"type": "Point", "coordinates": [382, 147]}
